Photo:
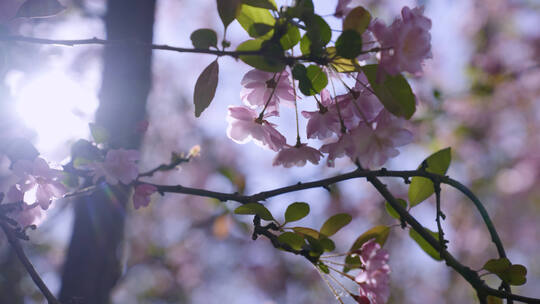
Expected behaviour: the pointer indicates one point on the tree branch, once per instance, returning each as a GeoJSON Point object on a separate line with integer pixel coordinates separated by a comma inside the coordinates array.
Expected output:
{"type": "Point", "coordinates": [16, 245]}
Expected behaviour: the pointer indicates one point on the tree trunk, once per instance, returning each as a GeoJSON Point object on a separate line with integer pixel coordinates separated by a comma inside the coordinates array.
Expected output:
{"type": "Point", "coordinates": [92, 264]}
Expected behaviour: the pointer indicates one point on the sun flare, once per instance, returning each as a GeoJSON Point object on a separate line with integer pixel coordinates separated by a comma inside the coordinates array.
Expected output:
{"type": "Point", "coordinates": [57, 108]}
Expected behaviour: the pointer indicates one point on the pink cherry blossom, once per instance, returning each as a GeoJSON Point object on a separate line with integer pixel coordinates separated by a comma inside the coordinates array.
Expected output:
{"type": "Point", "coordinates": [245, 125]}
{"type": "Point", "coordinates": [406, 43]}
{"type": "Point", "coordinates": [141, 195]}
{"type": "Point", "coordinates": [37, 174]}
{"type": "Point", "coordinates": [373, 281]}
{"type": "Point", "coordinates": [323, 123]}
{"type": "Point", "coordinates": [119, 165]}
{"type": "Point", "coordinates": [258, 86]}
{"type": "Point", "coordinates": [336, 149]}
{"type": "Point", "coordinates": [297, 156]}
{"type": "Point", "coordinates": [373, 146]}
{"type": "Point", "coordinates": [345, 6]}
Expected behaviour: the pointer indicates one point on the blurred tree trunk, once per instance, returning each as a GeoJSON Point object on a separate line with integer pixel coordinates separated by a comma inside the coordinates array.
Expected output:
{"type": "Point", "coordinates": [92, 265]}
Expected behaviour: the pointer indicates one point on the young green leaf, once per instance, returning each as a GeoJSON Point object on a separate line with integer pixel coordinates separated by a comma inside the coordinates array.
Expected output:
{"type": "Point", "coordinates": [292, 239]}
{"type": "Point", "coordinates": [205, 88]}
{"type": "Point", "coordinates": [296, 211]}
{"type": "Point", "coordinates": [349, 44]}
{"type": "Point", "coordinates": [204, 38]}
{"type": "Point", "coordinates": [421, 188]}
{"type": "Point", "coordinates": [352, 262]}
{"type": "Point", "coordinates": [39, 9]}
{"type": "Point", "coordinates": [513, 274]}
{"type": "Point", "coordinates": [494, 300]}
{"type": "Point", "coordinates": [227, 10]}
{"type": "Point", "coordinates": [327, 244]}
{"type": "Point", "coordinates": [379, 233]}
{"type": "Point", "coordinates": [268, 4]}
{"type": "Point", "coordinates": [340, 64]}
{"type": "Point", "coordinates": [432, 252]}
{"type": "Point", "coordinates": [311, 79]}
{"type": "Point", "coordinates": [255, 209]}
{"type": "Point", "coordinates": [323, 267]}
{"type": "Point", "coordinates": [394, 92]}
{"type": "Point", "coordinates": [291, 37]}
{"type": "Point", "coordinates": [391, 211]}
{"type": "Point", "coordinates": [256, 61]}
{"type": "Point", "coordinates": [335, 223]}
{"type": "Point", "coordinates": [99, 133]}
{"type": "Point", "coordinates": [258, 22]}
{"type": "Point", "coordinates": [307, 232]}
{"type": "Point", "coordinates": [358, 20]}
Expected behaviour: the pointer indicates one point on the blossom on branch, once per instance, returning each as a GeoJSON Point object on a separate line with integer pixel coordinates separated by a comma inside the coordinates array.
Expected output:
{"type": "Point", "coordinates": [244, 125]}
{"type": "Point", "coordinates": [323, 123]}
{"type": "Point", "coordinates": [373, 144]}
{"type": "Point", "coordinates": [119, 166]}
{"type": "Point", "coordinates": [258, 86]}
{"type": "Point", "coordinates": [141, 195]}
{"type": "Point", "coordinates": [405, 43]}
{"type": "Point", "coordinates": [38, 175]}
{"type": "Point", "coordinates": [373, 281]}
{"type": "Point", "coordinates": [297, 156]}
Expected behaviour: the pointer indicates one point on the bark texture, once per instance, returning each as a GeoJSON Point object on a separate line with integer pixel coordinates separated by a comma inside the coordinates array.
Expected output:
{"type": "Point", "coordinates": [92, 265]}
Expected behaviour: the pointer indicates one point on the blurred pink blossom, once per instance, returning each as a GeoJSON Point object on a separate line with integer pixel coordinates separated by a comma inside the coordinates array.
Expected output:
{"type": "Point", "coordinates": [406, 43]}
{"type": "Point", "coordinates": [119, 165]}
{"type": "Point", "coordinates": [297, 156]}
{"type": "Point", "coordinates": [258, 86]}
{"type": "Point", "coordinates": [141, 195]}
{"type": "Point", "coordinates": [374, 281]}
{"type": "Point", "coordinates": [245, 125]}
{"type": "Point", "coordinates": [321, 124]}
{"type": "Point", "coordinates": [37, 174]}
{"type": "Point", "coordinates": [373, 146]}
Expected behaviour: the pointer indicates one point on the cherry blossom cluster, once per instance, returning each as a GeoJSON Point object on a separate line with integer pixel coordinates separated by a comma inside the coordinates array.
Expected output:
{"type": "Point", "coordinates": [354, 124]}
{"type": "Point", "coordinates": [373, 281]}
{"type": "Point", "coordinates": [36, 184]}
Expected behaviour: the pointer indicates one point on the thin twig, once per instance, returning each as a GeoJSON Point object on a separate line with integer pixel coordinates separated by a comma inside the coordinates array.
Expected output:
{"type": "Point", "coordinates": [16, 245]}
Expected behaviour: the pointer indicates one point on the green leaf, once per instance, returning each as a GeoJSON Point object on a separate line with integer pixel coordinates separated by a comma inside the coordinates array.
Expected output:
{"type": "Point", "coordinates": [311, 79]}
{"type": "Point", "coordinates": [307, 232]}
{"type": "Point", "coordinates": [39, 9]}
{"type": "Point", "coordinates": [513, 274]}
{"type": "Point", "coordinates": [268, 4]}
{"type": "Point", "coordinates": [205, 88]}
{"type": "Point", "coordinates": [99, 133]}
{"type": "Point", "coordinates": [340, 64]}
{"type": "Point", "coordinates": [204, 38]}
{"type": "Point", "coordinates": [227, 10]}
{"type": "Point", "coordinates": [497, 266]}
{"type": "Point", "coordinates": [316, 248]}
{"type": "Point", "coordinates": [323, 267]}
{"type": "Point", "coordinates": [349, 44]}
{"type": "Point", "coordinates": [394, 92]}
{"type": "Point", "coordinates": [327, 244]}
{"type": "Point", "coordinates": [301, 9]}
{"type": "Point", "coordinates": [379, 233]}
{"type": "Point", "coordinates": [291, 37]}
{"type": "Point", "coordinates": [352, 262]}
{"type": "Point", "coordinates": [494, 300]}
{"type": "Point", "coordinates": [260, 62]}
{"type": "Point", "coordinates": [292, 239]}
{"type": "Point", "coordinates": [391, 211]}
{"type": "Point", "coordinates": [517, 275]}
{"type": "Point", "coordinates": [317, 36]}
{"type": "Point", "coordinates": [258, 22]}
{"type": "Point", "coordinates": [296, 211]}
{"type": "Point", "coordinates": [421, 188]}
{"type": "Point", "coordinates": [358, 20]}
{"type": "Point", "coordinates": [432, 252]}
{"type": "Point", "coordinates": [335, 223]}
{"type": "Point", "coordinates": [255, 209]}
